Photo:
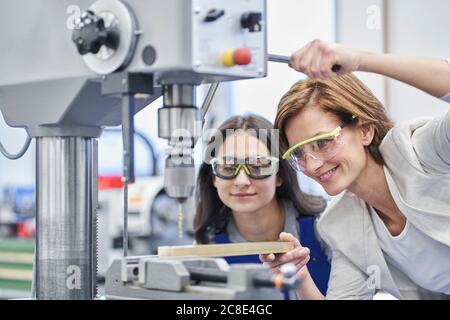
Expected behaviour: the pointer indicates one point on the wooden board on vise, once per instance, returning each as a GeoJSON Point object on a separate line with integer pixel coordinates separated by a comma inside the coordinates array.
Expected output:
{"type": "Point", "coordinates": [226, 250]}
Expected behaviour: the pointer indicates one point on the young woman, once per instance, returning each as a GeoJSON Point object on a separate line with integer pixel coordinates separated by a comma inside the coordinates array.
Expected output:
{"type": "Point", "coordinates": [244, 193]}
{"type": "Point", "coordinates": [389, 226]}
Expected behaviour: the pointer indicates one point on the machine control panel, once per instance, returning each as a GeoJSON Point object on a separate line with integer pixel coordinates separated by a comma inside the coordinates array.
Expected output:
{"type": "Point", "coordinates": [229, 37]}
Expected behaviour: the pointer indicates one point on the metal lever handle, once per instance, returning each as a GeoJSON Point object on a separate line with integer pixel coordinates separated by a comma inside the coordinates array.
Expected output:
{"type": "Point", "coordinates": [279, 58]}
{"type": "Point", "coordinates": [285, 59]}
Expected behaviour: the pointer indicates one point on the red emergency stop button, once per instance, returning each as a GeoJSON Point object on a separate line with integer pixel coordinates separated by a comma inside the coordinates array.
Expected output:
{"type": "Point", "coordinates": [240, 56]}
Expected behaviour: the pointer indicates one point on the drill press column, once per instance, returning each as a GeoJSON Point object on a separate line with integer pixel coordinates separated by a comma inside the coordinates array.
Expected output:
{"type": "Point", "coordinates": [65, 213]}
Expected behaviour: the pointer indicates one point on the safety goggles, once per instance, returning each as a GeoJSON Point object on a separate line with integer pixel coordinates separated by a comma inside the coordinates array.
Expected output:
{"type": "Point", "coordinates": [257, 167]}
{"type": "Point", "coordinates": [320, 148]}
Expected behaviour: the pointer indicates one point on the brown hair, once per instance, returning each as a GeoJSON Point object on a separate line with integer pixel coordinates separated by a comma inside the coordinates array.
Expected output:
{"type": "Point", "coordinates": [212, 215]}
{"type": "Point", "coordinates": [342, 96]}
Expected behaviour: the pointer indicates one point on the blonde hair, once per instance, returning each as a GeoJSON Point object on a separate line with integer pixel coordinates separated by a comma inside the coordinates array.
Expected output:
{"type": "Point", "coordinates": [342, 96]}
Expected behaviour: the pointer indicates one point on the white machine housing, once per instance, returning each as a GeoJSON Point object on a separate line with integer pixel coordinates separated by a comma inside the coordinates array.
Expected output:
{"type": "Point", "coordinates": [177, 44]}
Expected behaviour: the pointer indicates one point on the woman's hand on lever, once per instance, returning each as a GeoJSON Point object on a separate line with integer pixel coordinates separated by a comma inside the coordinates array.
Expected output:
{"type": "Point", "coordinates": [318, 59]}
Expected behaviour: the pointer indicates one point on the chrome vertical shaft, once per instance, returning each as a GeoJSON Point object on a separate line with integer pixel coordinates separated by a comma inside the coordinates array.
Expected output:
{"type": "Point", "coordinates": [66, 191]}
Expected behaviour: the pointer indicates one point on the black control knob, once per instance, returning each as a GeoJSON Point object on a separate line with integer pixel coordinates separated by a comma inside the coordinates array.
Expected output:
{"type": "Point", "coordinates": [214, 14]}
{"type": "Point", "coordinates": [90, 34]}
{"type": "Point", "coordinates": [252, 21]}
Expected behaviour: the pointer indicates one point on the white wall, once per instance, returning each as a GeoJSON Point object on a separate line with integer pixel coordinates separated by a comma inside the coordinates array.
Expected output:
{"type": "Point", "coordinates": [414, 27]}
{"type": "Point", "coordinates": [417, 27]}
{"type": "Point", "coordinates": [359, 24]}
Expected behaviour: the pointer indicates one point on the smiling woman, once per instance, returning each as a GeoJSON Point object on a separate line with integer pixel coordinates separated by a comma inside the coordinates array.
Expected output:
{"type": "Point", "coordinates": [343, 102]}
{"type": "Point", "coordinates": [335, 131]}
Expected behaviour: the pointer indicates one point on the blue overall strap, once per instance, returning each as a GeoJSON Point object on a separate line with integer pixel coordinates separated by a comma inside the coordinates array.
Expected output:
{"type": "Point", "coordinates": [253, 258]}
{"type": "Point", "coordinates": [318, 266]}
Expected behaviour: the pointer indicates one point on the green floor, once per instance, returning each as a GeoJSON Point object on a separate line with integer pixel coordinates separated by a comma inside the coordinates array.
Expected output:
{"type": "Point", "coordinates": [16, 245]}
{"type": "Point", "coordinates": [15, 268]}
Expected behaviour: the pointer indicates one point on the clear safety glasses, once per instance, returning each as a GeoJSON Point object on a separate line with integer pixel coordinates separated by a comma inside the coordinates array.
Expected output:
{"type": "Point", "coordinates": [321, 148]}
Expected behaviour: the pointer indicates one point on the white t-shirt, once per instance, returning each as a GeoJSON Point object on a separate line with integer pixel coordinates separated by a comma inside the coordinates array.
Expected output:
{"type": "Point", "coordinates": [424, 260]}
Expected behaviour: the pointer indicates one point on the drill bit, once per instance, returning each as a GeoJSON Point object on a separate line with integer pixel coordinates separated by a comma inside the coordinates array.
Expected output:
{"type": "Point", "coordinates": [180, 220]}
{"type": "Point", "coordinates": [125, 216]}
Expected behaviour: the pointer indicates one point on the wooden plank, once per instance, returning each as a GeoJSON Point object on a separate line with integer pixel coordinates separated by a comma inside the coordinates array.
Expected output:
{"type": "Point", "coordinates": [14, 274]}
{"type": "Point", "coordinates": [15, 257]}
{"type": "Point", "coordinates": [226, 250]}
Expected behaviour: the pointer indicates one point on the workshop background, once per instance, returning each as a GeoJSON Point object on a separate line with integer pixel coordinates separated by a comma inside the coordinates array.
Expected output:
{"type": "Point", "coordinates": [415, 27]}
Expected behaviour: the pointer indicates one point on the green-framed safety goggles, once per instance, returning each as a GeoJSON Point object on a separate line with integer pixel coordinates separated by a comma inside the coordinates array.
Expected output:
{"type": "Point", "coordinates": [257, 167]}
